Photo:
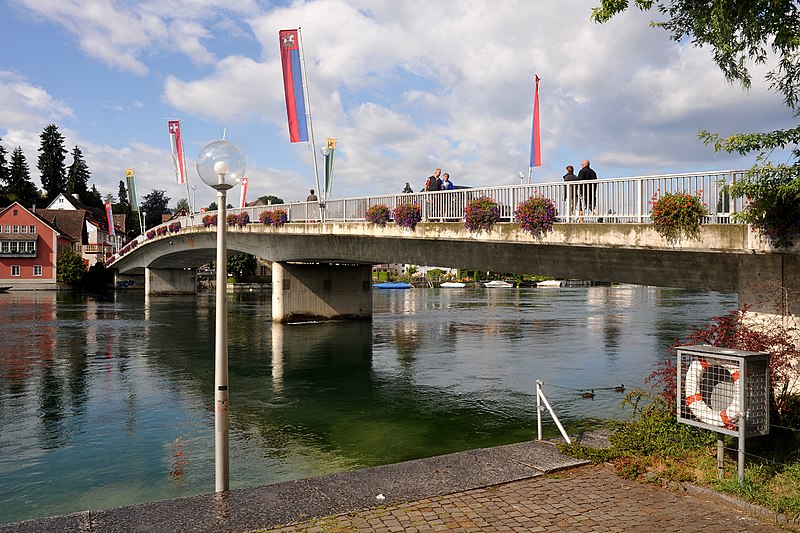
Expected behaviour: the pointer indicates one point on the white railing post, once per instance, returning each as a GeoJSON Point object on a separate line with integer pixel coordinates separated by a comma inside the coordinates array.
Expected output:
{"type": "Point", "coordinates": [639, 201]}
{"type": "Point", "coordinates": [540, 394]}
{"type": "Point", "coordinates": [539, 407]}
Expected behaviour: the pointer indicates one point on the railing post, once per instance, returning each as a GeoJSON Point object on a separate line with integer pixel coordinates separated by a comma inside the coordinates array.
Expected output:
{"type": "Point", "coordinates": [539, 407]}
{"type": "Point", "coordinates": [640, 200]}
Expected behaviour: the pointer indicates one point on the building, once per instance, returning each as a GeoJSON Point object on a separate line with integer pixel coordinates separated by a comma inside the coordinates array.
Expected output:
{"type": "Point", "coordinates": [88, 226]}
{"type": "Point", "coordinates": [29, 249]}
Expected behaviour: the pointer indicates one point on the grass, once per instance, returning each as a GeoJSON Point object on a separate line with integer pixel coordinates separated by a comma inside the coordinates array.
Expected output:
{"type": "Point", "coordinates": [654, 446]}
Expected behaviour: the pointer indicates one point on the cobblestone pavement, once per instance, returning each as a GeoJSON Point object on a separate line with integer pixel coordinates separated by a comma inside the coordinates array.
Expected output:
{"type": "Point", "coordinates": [587, 498]}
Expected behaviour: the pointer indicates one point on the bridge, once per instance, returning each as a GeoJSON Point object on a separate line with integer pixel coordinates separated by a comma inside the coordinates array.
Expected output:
{"type": "Point", "coordinates": [322, 258]}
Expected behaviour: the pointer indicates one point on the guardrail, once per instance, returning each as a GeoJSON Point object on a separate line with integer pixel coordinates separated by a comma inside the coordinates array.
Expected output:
{"type": "Point", "coordinates": [611, 200]}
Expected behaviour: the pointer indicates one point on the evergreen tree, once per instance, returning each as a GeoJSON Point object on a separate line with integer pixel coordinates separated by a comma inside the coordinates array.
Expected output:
{"type": "Point", "coordinates": [78, 176]}
{"type": "Point", "coordinates": [4, 177]}
{"type": "Point", "coordinates": [20, 187]}
{"type": "Point", "coordinates": [94, 198]}
{"type": "Point", "coordinates": [122, 205]}
{"type": "Point", "coordinates": [155, 205]}
{"type": "Point", "coordinates": [51, 161]}
{"type": "Point", "coordinates": [270, 199]}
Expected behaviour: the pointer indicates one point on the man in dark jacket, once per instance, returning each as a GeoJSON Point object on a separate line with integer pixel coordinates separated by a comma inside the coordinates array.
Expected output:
{"type": "Point", "coordinates": [571, 191]}
{"type": "Point", "coordinates": [434, 183]}
{"type": "Point", "coordinates": [589, 189]}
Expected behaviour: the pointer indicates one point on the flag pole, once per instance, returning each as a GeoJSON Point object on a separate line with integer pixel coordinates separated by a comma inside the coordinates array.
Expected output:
{"type": "Point", "coordinates": [536, 148]}
{"type": "Point", "coordinates": [186, 180]}
{"type": "Point", "coordinates": [310, 121]}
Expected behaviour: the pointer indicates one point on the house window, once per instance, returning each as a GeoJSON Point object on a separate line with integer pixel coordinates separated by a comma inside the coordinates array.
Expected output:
{"type": "Point", "coordinates": [5, 247]}
{"type": "Point", "coordinates": [31, 229]}
{"type": "Point", "coordinates": [14, 229]}
{"type": "Point", "coordinates": [37, 270]}
{"type": "Point", "coordinates": [8, 228]}
{"type": "Point", "coordinates": [31, 246]}
{"type": "Point", "coordinates": [23, 229]}
{"type": "Point", "coordinates": [16, 212]}
{"type": "Point", "coordinates": [15, 270]}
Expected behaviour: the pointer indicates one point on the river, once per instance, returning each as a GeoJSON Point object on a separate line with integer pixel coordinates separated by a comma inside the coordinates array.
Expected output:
{"type": "Point", "coordinates": [107, 401]}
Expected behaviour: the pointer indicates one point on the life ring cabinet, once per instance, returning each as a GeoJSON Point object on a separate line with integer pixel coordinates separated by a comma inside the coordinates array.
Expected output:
{"type": "Point", "coordinates": [723, 390]}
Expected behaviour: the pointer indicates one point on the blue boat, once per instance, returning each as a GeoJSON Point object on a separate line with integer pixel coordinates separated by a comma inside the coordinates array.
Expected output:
{"type": "Point", "coordinates": [392, 285]}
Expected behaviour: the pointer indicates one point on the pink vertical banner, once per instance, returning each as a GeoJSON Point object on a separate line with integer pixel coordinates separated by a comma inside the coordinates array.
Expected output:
{"type": "Point", "coordinates": [536, 146]}
{"type": "Point", "coordinates": [243, 196]}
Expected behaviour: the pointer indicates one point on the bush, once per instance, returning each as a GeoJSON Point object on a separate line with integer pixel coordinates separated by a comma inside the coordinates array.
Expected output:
{"type": "Point", "coordinates": [378, 214]}
{"type": "Point", "coordinates": [677, 215]}
{"type": "Point", "coordinates": [407, 215]}
{"type": "Point", "coordinates": [536, 215]}
{"type": "Point", "coordinates": [481, 214]}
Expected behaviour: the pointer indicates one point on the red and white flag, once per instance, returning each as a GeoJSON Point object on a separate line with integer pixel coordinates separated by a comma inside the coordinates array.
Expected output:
{"type": "Point", "coordinates": [243, 197]}
{"type": "Point", "coordinates": [177, 150]}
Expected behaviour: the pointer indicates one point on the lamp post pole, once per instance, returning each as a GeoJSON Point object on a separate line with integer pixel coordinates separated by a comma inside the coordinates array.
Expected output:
{"type": "Point", "coordinates": [221, 455]}
{"type": "Point", "coordinates": [221, 165]}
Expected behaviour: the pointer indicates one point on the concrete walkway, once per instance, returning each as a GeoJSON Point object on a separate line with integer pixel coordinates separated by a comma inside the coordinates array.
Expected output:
{"type": "Point", "coordinates": [519, 487]}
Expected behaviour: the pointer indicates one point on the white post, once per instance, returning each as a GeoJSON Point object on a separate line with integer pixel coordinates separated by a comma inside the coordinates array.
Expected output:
{"type": "Point", "coordinates": [539, 407]}
{"type": "Point", "coordinates": [221, 456]}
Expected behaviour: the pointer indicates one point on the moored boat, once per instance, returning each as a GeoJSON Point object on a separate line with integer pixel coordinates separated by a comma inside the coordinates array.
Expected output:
{"type": "Point", "coordinates": [453, 285]}
{"type": "Point", "coordinates": [497, 284]}
{"type": "Point", "coordinates": [392, 285]}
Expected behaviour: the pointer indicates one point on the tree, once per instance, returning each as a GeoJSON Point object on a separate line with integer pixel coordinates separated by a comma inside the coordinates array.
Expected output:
{"type": "Point", "coordinates": [212, 206]}
{"type": "Point", "coordinates": [94, 198]}
{"type": "Point", "coordinates": [4, 176]}
{"type": "Point", "coordinates": [51, 161]}
{"type": "Point", "coordinates": [78, 177]}
{"type": "Point", "coordinates": [739, 31]}
{"type": "Point", "coordinates": [123, 206]}
{"type": "Point", "coordinates": [20, 187]}
{"type": "Point", "coordinates": [183, 203]}
{"type": "Point", "coordinates": [108, 198]}
{"type": "Point", "coordinates": [242, 266]}
{"type": "Point", "coordinates": [154, 205]}
{"type": "Point", "coordinates": [271, 199]}
{"type": "Point", "coordinates": [407, 189]}
{"type": "Point", "coordinates": [71, 268]}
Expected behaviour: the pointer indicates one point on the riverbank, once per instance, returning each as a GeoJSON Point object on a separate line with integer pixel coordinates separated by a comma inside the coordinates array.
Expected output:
{"type": "Point", "coordinates": [521, 487]}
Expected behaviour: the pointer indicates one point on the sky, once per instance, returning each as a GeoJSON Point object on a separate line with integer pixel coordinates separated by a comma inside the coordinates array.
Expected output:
{"type": "Point", "coordinates": [404, 87]}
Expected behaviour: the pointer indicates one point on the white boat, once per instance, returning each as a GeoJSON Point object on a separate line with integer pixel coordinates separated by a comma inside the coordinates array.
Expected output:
{"type": "Point", "coordinates": [497, 284]}
{"type": "Point", "coordinates": [549, 283]}
{"type": "Point", "coordinates": [453, 285]}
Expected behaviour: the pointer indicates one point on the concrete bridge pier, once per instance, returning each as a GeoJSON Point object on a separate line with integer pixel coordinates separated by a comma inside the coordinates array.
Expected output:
{"type": "Point", "coordinates": [163, 281]}
{"type": "Point", "coordinates": [321, 291]}
{"type": "Point", "coordinates": [128, 281]}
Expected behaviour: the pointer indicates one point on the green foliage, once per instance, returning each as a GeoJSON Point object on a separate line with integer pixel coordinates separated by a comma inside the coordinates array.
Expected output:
{"type": "Point", "coordinates": [182, 203]}
{"type": "Point", "coordinates": [51, 161]}
{"type": "Point", "coordinates": [268, 199]}
{"type": "Point", "coordinates": [78, 176]}
{"type": "Point", "coordinates": [677, 215]}
{"type": "Point", "coordinates": [155, 205]}
{"type": "Point", "coordinates": [71, 268]}
{"type": "Point", "coordinates": [242, 267]}
{"type": "Point", "coordinates": [20, 187]}
{"type": "Point", "coordinates": [123, 206]}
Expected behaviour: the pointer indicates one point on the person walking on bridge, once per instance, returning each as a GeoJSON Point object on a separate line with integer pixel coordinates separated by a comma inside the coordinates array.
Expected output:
{"type": "Point", "coordinates": [571, 191]}
{"type": "Point", "coordinates": [434, 183]}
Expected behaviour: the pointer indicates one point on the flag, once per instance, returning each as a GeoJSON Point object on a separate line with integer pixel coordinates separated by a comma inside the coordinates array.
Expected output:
{"type": "Point", "coordinates": [110, 216]}
{"type": "Point", "coordinates": [131, 189]}
{"type": "Point", "coordinates": [177, 150]}
{"type": "Point", "coordinates": [331, 146]}
{"type": "Point", "coordinates": [293, 85]}
{"type": "Point", "coordinates": [243, 197]}
{"type": "Point", "coordinates": [536, 147]}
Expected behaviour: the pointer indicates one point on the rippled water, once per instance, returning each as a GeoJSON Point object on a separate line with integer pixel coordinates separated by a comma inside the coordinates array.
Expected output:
{"type": "Point", "coordinates": [107, 402]}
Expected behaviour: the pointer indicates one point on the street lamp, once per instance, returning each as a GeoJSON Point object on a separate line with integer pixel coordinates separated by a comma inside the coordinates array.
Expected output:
{"type": "Point", "coordinates": [221, 166]}
{"type": "Point", "coordinates": [194, 199]}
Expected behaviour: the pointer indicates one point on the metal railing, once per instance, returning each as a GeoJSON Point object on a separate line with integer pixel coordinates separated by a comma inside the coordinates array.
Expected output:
{"type": "Point", "coordinates": [614, 200]}
{"type": "Point", "coordinates": [540, 399]}
{"type": "Point", "coordinates": [602, 201]}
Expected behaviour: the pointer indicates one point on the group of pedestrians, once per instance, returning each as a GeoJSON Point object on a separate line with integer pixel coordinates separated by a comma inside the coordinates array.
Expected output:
{"type": "Point", "coordinates": [582, 196]}
{"type": "Point", "coordinates": [437, 183]}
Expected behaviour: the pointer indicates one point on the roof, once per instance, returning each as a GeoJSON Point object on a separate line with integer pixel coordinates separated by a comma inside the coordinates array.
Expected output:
{"type": "Point", "coordinates": [70, 223]}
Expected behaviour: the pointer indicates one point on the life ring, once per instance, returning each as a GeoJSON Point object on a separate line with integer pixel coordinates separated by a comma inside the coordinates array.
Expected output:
{"type": "Point", "coordinates": [700, 409]}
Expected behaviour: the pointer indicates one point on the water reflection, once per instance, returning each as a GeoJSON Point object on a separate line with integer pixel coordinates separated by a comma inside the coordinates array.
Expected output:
{"type": "Point", "coordinates": [115, 396]}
